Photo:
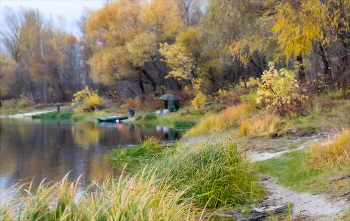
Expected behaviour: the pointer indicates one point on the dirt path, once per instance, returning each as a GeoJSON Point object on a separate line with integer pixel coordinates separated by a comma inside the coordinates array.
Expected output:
{"type": "Point", "coordinates": [304, 205]}
{"type": "Point", "coordinates": [29, 114]}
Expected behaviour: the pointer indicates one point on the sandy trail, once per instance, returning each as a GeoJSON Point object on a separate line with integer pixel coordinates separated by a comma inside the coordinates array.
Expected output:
{"type": "Point", "coordinates": [29, 114]}
{"type": "Point", "coordinates": [312, 206]}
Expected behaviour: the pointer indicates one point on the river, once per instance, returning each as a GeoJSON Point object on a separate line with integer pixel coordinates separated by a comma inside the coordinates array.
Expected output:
{"type": "Point", "coordinates": [33, 150]}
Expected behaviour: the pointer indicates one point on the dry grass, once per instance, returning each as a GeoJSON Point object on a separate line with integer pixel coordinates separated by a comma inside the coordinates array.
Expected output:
{"type": "Point", "coordinates": [139, 197]}
{"type": "Point", "coordinates": [334, 153]}
{"type": "Point", "coordinates": [260, 125]}
{"type": "Point", "coordinates": [228, 118]}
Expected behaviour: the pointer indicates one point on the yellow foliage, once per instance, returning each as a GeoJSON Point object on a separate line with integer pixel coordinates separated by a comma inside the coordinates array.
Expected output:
{"type": "Point", "coordinates": [110, 64]}
{"type": "Point", "coordinates": [89, 98]}
{"type": "Point", "coordinates": [142, 48]}
{"type": "Point", "coordinates": [279, 90]}
{"type": "Point", "coordinates": [162, 17]}
{"type": "Point", "coordinates": [179, 59]}
{"type": "Point", "coordinates": [199, 100]}
{"type": "Point", "coordinates": [7, 68]}
{"type": "Point", "coordinates": [335, 152]}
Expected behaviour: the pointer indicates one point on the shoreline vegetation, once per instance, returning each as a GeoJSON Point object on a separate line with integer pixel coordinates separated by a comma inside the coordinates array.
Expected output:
{"type": "Point", "coordinates": [208, 175]}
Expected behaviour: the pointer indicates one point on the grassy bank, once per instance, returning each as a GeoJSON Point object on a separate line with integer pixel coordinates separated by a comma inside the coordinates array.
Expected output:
{"type": "Point", "coordinates": [216, 172]}
{"type": "Point", "coordinates": [320, 168]}
{"type": "Point", "coordinates": [137, 197]}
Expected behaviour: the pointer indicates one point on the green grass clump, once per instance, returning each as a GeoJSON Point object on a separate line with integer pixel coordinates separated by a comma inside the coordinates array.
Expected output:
{"type": "Point", "coordinates": [62, 115]}
{"type": "Point", "coordinates": [138, 197]}
{"type": "Point", "coordinates": [184, 124]}
{"type": "Point", "coordinates": [216, 172]}
{"type": "Point", "coordinates": [149, 117]}
{"type": "Point", "coordinates": [135, 156]}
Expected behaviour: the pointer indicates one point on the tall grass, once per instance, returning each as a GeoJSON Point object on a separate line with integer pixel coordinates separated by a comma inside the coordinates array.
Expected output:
{"type": "Point", "coordinates": [216, 172]}
{"type": "Point", "coordinates": [260, 125]}
{"type": "Point", "coordinates": [135, 156]}
{"type": "Point", "coordinates": [335, 152]}
{"type": "Point", "coordinates": [228, 118]}
{"type": "Point", "coordinates": [138, 197]}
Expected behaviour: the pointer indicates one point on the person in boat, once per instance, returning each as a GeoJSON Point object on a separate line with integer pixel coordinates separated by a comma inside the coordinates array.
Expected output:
{"type": "Point", "coordinates": [132, 112]}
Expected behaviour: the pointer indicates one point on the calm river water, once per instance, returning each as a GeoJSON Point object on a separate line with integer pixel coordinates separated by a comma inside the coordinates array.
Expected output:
{"type": "Point", "coordinates": [33, 150]}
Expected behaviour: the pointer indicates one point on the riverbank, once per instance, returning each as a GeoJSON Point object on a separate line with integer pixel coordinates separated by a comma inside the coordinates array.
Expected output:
{"type": "Point", "coordinates": [305, 196]}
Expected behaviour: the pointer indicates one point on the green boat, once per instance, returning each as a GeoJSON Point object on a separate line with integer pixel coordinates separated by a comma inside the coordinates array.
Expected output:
{"type": "Point", "coordinates": [112, 118]}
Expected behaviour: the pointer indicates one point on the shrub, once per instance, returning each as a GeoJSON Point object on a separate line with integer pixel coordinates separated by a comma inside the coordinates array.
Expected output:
{"type": "Point", "coordinates": [135, 103]}
{"type": "Point", "coordinates": [149, 103]}
{"type": "Point", "coordinates": [279, 90]}
{"type": "Point", "coordinates": [228, 97]}
{"type": "Point", "coordinates": [89, 98]}
{"type": "Point", "coordinates": [185, 96]}
{"type": "Point", "coordinates": [199, 100]}
{"type": "Point", "coordinates": [9, 104]}
{"type": "Point", "coordinates": [216, 172]}
{"type": "Point", "coordinates": [335, 152]}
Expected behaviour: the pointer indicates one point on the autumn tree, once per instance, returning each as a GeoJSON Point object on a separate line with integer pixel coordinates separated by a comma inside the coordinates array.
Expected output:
{"type": "Point", "coordinates": [129, 32]}
{"type": "Point", "coordinates": [7, 68]}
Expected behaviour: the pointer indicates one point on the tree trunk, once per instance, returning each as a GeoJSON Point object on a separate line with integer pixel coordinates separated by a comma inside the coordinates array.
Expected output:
{"type": "Point", "coordinates": [141, 83]}
{"type": "Point", "coordinates": [302, 74]}
{"type": "Point", "coordinates": [149, 77]}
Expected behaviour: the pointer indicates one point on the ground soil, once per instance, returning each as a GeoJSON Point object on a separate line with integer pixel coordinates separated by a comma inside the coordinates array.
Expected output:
{"type": "Point", "coordinates": [304, 206]}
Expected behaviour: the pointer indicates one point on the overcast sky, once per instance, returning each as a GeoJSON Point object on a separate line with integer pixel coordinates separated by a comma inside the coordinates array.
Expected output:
{"type": "Point", "coordinates": [68, 9]}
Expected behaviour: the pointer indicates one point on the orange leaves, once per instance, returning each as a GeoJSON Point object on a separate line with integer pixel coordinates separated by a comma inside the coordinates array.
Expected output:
{"type": "Point", "coordinates": [71, 39]}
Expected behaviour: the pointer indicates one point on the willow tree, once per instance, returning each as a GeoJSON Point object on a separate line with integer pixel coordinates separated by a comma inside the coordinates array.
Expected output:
{"type": "Point", "coordinates": [129, 32]}
{"type": "Point", "coordinates": [303, 27]}
{"type": "Point", "coordinates": [7, 77]}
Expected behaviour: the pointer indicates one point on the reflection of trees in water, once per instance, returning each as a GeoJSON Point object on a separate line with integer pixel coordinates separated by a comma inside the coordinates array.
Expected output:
{"type": "Point", "coordinates": [50, 150]}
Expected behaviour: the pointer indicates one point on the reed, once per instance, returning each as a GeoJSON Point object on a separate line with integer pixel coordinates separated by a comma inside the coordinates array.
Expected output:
{"type": "Point", "coordinates": [335, 152]}
{"type": "Point", "coordinates": [138, 197]}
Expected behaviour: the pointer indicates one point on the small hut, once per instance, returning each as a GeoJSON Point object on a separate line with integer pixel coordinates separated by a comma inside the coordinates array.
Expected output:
{"type": "Point", "coordinates": [170, 101]}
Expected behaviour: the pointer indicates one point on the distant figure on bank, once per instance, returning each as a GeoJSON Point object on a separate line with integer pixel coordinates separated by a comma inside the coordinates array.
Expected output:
{"type": "Point", "coordinates": [132, 112]}
{"type": "Point", "coordinates": [58, 105]}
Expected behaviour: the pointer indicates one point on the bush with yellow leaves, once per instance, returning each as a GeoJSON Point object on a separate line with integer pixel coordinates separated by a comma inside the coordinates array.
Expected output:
{"type": "Point", "coordinates": [86, 100]}
{"type": "Point", "coordinates": [280, 90]}
{"type": "Point", "coordinates": [199, 100]}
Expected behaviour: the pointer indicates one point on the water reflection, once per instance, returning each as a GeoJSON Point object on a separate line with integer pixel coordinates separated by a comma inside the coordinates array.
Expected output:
{"type": "Point", "coordinates": [37, 150]}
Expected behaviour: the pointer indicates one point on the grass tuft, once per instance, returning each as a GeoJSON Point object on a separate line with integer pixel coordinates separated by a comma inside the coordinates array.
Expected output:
{"type": "Point", "coordinates": [138, 197]}
{"type": "Point", "coordinates": [228, 118]}
{"type": "Point", "coordinates": [216, 172]}
{"type": "Point", "coordinates": [334, 153]}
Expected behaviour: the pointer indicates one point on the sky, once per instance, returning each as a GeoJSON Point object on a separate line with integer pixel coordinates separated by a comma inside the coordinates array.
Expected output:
{"type": "Point", "coordinates": [68, 9]}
